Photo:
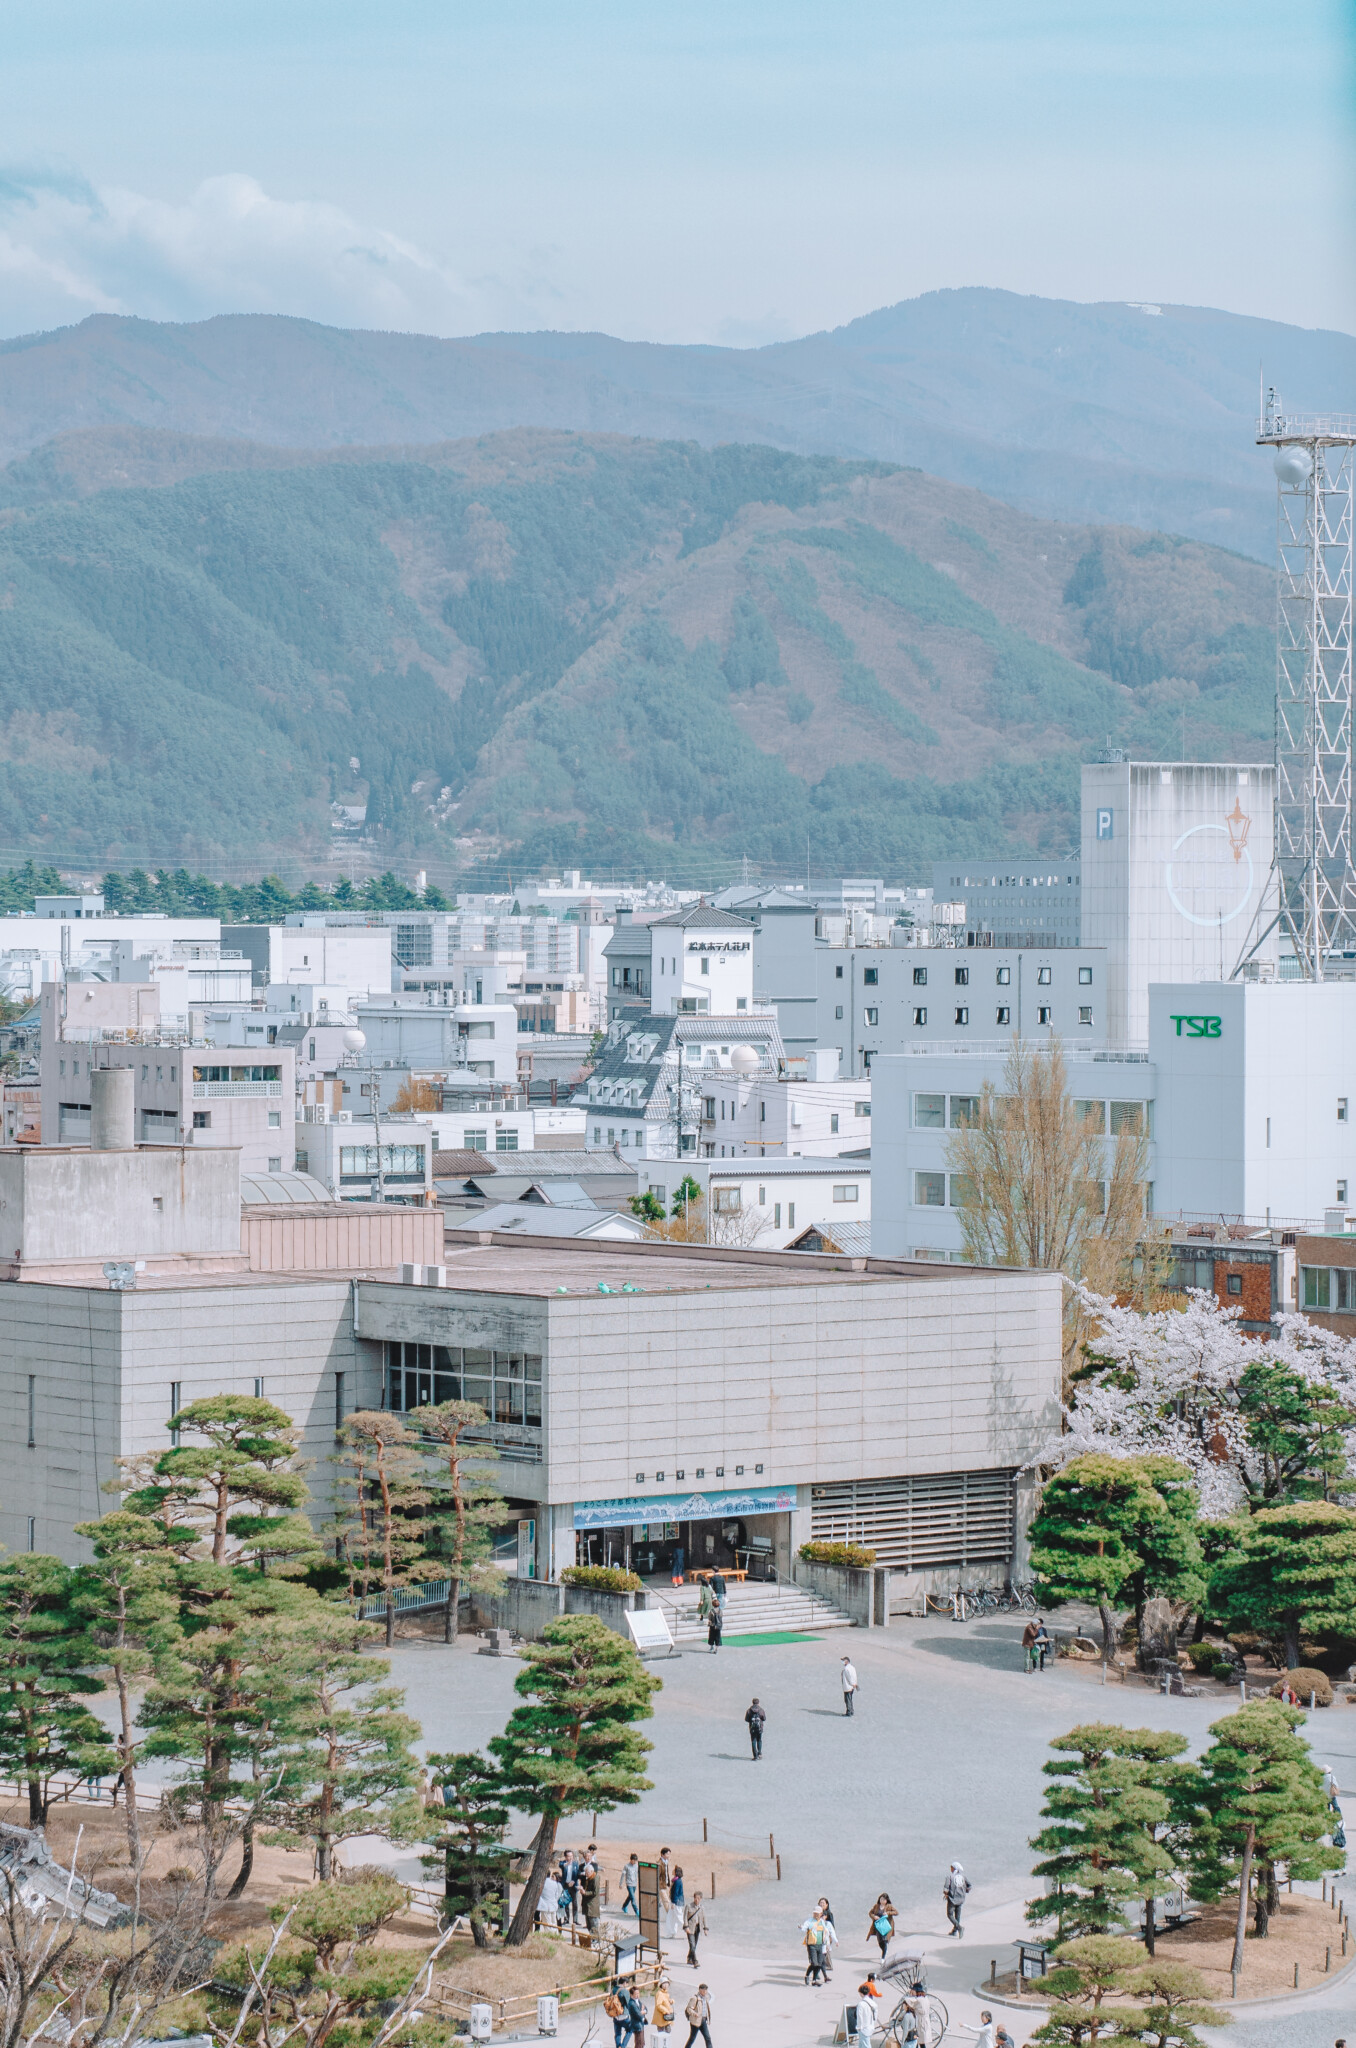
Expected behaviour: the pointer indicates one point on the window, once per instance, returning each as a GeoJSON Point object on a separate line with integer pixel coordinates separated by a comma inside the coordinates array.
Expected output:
{"type": "Point", "coordinates": [1127, 1116]}
{"type": "Point", "coordinates": [929, 1112]}
{"type": "Point", "coordinates": [1233, 1283]}
{"type": "Point", "coordinates": [964, 1111]}
{"type": "Point", "coordinates": [1344, 1288]}
{"type": "Point", "coordinates": [1341, 1109]}
{"type": "Point", "coordinates": [920, 1016]}
{"type": "Point", "coordinates": [1341, 1191]}
{"type": "Point", "coordinates": [311, 1055]}
{"type": "Point", "coordinates": [833, 1124]}
{"type": "Point", "coordinates": [1085, 1013]}
{"type": "Point", "coordinates": [1085, 977]}
{"type": "Point", "coordinates": [478, 1140]}
{"type": "Point", "coordinates": [838, 974]}
{"type": "Point", "coordinates": [275, 1119]}
{"type": "Point", "coordinates": [1317, 1287]}
{"type": "Point", "coordinates": [861, 1109]}
{"type": "Point", "coordinates": [1004, 1014]}
{"type": "Point", "coordinates": [727, 1201]}
{"type": "Point", "coordinates": [962, 1016]}
{"type": "Point", "coordinates": [1042, 977]}
{"type": "Point", "coordinates": [870, 977]}
{"type": "Point", "coordinates": [838, 1013]}
{"type": "Point", "coordinates": [706, 965]}
{"type": "Point", "coordinates": [158, 1204]}
{"type": "Point", "coordinates": [176, 1403]}
{"type": "Point", "coordinates": [776, 1215]}
{"type": "Point", "coordinates": [202, 1119]}
{"type": "Point", "coordinates": [275, 1165]}
{"type": "Point", "coordinates": [962, 977]}
{"type": "Point", "coordinates": [920, 977]}
{"type": "Point", "coordinates": [873, 1016]}
{"type": "Point", "coordinates": [1004, 977]}
{"type": "Point", "coordinates": [790, 1215]}
{"type": "Point", "coordinates": [962, 1186]}
{"type": "Point", "coordinates": [929, 1190]}
{"type": "Point", "coordinates": [506, 1141]}
{"type": "Point", "coordinates": [846, 1194]}
{"type": "Point", "coordinates": [762, 1197]}
{"type": "Point", "coordinates": [1093, 1113]}
{"type": "Point", "coordinates": [1044, 1014]}
{"type": "Point", "coordinates": [709, 1108]}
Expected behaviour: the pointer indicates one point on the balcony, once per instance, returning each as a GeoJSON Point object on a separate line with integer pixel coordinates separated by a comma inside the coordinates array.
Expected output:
{"type": "Point", "coordinates": [205, 1090]}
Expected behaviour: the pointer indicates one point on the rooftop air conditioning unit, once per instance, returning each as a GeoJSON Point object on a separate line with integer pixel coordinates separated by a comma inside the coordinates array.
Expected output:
{"type": "Point", "coordinates": [343, 1116]}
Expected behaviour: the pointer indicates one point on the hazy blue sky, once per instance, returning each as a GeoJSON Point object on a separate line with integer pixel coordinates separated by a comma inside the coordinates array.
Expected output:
{"type": "Point", "coordinates": [695, 172]}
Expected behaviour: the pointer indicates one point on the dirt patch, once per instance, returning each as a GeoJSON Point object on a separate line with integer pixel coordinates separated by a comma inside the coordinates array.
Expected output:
{"type": "Point", "coordinates": [701, 1862]}
{"type": "Point", "coordinates": [544, 1963]}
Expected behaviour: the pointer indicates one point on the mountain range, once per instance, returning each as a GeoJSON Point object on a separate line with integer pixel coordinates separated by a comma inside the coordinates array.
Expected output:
{"type": "Point", "coordinates": [542, 646]}
{"type": "Point", "coordinates": [1124, 414]}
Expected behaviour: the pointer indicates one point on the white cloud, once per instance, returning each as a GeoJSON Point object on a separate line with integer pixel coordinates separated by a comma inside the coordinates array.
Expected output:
{"type": "Point", "coordinates": [67, 250]}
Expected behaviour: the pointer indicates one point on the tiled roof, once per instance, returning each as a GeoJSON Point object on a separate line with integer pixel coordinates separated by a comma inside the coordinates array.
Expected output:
{"type": "Point", "coordinates": [703, 918]}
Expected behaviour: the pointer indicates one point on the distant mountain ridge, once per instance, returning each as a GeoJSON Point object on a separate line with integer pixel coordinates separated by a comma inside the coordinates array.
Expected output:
{"type": "Point", "coordinates": [1109, 413]}
{"type": "Point", "coordinates": [582, 649]}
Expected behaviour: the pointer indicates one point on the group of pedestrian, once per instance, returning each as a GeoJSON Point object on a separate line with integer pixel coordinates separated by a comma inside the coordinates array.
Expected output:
{"type": "Point", "coordinates": [820, 1937]}
{"type": "Point", "coordinates": [572, 1895]}
{"type": "Point", "coordinates": [629, 2019]}
{"type": "Point", "coordinates": [711, 1607]}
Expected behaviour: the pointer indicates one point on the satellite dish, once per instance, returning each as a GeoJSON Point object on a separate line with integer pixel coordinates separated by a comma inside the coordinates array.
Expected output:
{"type": "Point", "coordinates": [354, 1041]}
{"type": "Point", "coordinates": [1293, 465]}
{"type": "Point", "coordinates": [745, 1060]}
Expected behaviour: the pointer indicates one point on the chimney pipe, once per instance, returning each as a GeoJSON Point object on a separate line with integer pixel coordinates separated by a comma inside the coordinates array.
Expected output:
{"type": "Point", "coordinates": [112, 1110]}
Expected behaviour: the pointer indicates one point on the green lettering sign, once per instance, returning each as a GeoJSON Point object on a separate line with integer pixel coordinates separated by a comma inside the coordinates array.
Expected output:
{"type": "Point", "coordinates": [1198, 1027]}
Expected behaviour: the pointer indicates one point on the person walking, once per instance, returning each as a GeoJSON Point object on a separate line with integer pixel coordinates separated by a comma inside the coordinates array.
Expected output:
{"type": "Point", "coordinates": [569, 1882]}
{"type": "Point", "coordinates": [631, 1879]}
{"type": "Point", "coordinates": [706, 1600]}
{"type": "Point", "coordinates": [662, 2017]}
{"type": "Point", "coordinates": [678, 1562]}
{"type": "Point", "coordinates": [590, 1895]}
{"type": "Point", "coordinates": [866, 2014]}
{"type": "Point", "coordinates": [694, 1926]}
{"type": "Point", "coordinates": [714, 1625]}
{"type": "Point", "coordinates": [756, 1717]}
{"type": "Point", "coordinates": [1042, 1643]}
{"type": "Point", "coordinates": [815, 1935]}
{"type": "Point", "coordinates": [718, 1586]}
{"type": "Point", "coordinates": [826, 1913]}
{"type": "Point", "coordinates": [848, 1675]}
{"type": "Point", "coordinates": [697, 2012]}
{"type": "Point", "coordinates": [882, 1923]}
{"type": "Point", "coordinates": [676, 1899]}
{"type": "Point", "coordinates": [985, 2033]}
{"type": "Point", "coordinates": [953, 1891]}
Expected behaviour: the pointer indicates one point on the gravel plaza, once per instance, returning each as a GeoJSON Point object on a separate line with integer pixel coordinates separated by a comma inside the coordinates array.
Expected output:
{"type": "Point", "coordinates": [941, 1761]}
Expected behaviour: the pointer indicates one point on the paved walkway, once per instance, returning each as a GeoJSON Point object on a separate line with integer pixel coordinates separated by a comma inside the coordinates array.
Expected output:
{"type": "Point", "coordinates": [942, 1759]}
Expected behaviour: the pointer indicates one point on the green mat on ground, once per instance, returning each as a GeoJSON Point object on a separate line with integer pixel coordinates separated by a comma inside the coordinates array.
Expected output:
{"type": "Point", "coordinates": [785, 1635]}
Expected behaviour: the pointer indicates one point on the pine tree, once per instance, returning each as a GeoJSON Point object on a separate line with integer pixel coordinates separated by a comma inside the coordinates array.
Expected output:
{"type": "Point", "coordinates": [1105, 1533]}
{"type": "Point", "coordinates": [1157, 1755]}
{"type": "Point", "coordinates": [469, 1852]}
{"type": "Point", "coordinates": [1103, 1812]}
{"type": "Point", "coordinates": [45, 1655]}
{"type": "Point", "coordinates": [466, 1506]}
{"type": "Point", "coordinates": [1297, 1429]}
{"type": "Point", "coordinates": [1294, 1569]}
{"type": "Point", "coordinates": [235, 1490]}
{"type": "Point", "coordinates": [573, 1749]}
{"type": "Point", "coordinates": [381, 1525]}
{"type": "Point", "coordinates": [1266, 1805]}
{"type": "Point", "coordinates": [128, 1599]}
{"type": "Point", "coordinates": [1178, 2002]}
{"type": "Point", "coordinates": [1089, 1971]}
{"type": "Point", "coordinates": [345, 1765]}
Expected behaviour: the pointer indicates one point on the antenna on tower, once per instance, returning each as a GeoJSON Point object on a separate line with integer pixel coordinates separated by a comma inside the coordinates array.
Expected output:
{"type": "Point", "coordinates": [1312, 887]}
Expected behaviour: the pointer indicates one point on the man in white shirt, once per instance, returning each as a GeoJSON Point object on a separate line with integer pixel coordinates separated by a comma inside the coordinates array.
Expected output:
{"type": "Point", "coordinates": [866, 2016]}
{"type": "Point", "coordinates": [849, 1675]}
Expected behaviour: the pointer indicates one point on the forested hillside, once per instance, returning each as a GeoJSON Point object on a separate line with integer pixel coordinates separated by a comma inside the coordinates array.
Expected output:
{"type": "Point", "coordinates": [538, 645]}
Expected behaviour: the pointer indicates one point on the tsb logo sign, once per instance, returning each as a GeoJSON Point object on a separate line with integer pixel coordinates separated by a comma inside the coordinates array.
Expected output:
{"type": "Point", "coordinates": [1196, 1027]}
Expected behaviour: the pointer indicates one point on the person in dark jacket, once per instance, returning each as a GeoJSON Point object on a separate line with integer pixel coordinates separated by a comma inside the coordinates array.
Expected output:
{"type": "Point", "coordinates": [714, 1626]}
{"type": "Point", "coordinates": [755, 1716]}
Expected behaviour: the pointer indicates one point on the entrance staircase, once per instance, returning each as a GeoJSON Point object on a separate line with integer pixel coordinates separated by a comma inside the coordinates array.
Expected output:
{"type": "Point", "coordinates": [754, 1608]}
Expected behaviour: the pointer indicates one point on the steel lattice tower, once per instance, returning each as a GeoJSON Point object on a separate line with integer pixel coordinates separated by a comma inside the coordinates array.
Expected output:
{"type": "Point", "coordinates": [1314, 869]}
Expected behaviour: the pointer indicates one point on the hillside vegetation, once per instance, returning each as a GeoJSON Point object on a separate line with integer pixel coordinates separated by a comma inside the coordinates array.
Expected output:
{"type": "Point", "coordinates": [540, 645]}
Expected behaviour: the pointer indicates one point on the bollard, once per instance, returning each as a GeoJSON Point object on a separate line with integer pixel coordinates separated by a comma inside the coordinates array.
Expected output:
{"type": "Point", "coordinates": [1327, 1961]}
{"type": "Point", "coordinates": [595, 1823]}
{"type": "Point", "coordinates": [779, 1879]}
{"type": "Point", "coordinates": [771, 1848]}
{"type": "Point", "coordinates": [993, 1971]}
{"type": "Point", "coordinates": [1297, 1976]}
{"type": "Point", "coordinates": [712, 1893]}
{"type": "Point", "coordinates": [1313, 1702]}
{"type": "Point", "coordinates": [703, 1827]}
{"type": "Point", "coordinates": [1325, 1891]}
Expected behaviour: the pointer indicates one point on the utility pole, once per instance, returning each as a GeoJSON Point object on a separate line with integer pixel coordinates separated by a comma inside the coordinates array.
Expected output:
{"type": "Point", "coordinates": [376, 1127]}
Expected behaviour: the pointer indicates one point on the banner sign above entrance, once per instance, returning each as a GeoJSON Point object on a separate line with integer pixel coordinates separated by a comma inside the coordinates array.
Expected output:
{"type": "Point", "coordinates": [683, 1507]}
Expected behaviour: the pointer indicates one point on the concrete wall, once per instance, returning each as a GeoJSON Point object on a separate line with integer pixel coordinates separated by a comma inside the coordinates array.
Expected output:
{"type": "Point", "coordinates": [611, 1608]}
{"type": "Point", "coordinates": [103, 1365]}
{"type": "Point", "coordinates": [63, 1207]}
{"type": "Point", "coordinates": [525, 1606]}
{"type": "Point", "coordinates": [303, 1239]}
{"type": "Point", "coordinates": [850, 1589]}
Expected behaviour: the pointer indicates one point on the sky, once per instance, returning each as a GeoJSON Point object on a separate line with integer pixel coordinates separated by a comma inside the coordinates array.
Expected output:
{"type": "Point", "coordinates": [730, 174]}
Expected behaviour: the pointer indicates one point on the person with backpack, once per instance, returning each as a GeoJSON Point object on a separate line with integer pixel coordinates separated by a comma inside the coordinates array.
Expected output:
{"type": "Point", "coordinates": [756, 1717]}
{"type": "Point", "coordinates": [953, 1891]}
{"type": "Point", "coordinates": [866, 2014]}
{"type": "Point", "coordinates": [714, 1625]}
{"type": "Point", "coordinates": [815, 1935]}
{"type": "Point", "coordinates": [694, 1926]}
{"type": "Point", "coordinates": [697, 2011]}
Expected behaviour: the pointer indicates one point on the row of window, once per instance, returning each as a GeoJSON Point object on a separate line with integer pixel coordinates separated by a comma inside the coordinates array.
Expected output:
{"type": "Point", "coordinates": [478, 1140]}
{"type": "Point", "coordinates": [730, 1201]}
{"type": "Point", "coordinates": [358, 1160]}
{"type": "Point", "coordinates": [930, 1113]}
{"type": "Point", "coordinates": [506, 1384]}
{"type": "Point", "coordinates": [1002, 1015]}
{"type": "Point", "coordinates": [1002, 977]}
{"type": "Point", "coordinates": [952, 1190]}
{"type": "Point", "coordinates": [626, 1137]}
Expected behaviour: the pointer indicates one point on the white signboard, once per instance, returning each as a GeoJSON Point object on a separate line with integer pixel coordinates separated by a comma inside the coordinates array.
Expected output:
{"type": "Point", "coordinates": [650, 1632]}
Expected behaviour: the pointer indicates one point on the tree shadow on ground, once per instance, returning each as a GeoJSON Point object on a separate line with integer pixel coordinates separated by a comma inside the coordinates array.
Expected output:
{"type": "Point", "coordinates": [996, 1648]}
